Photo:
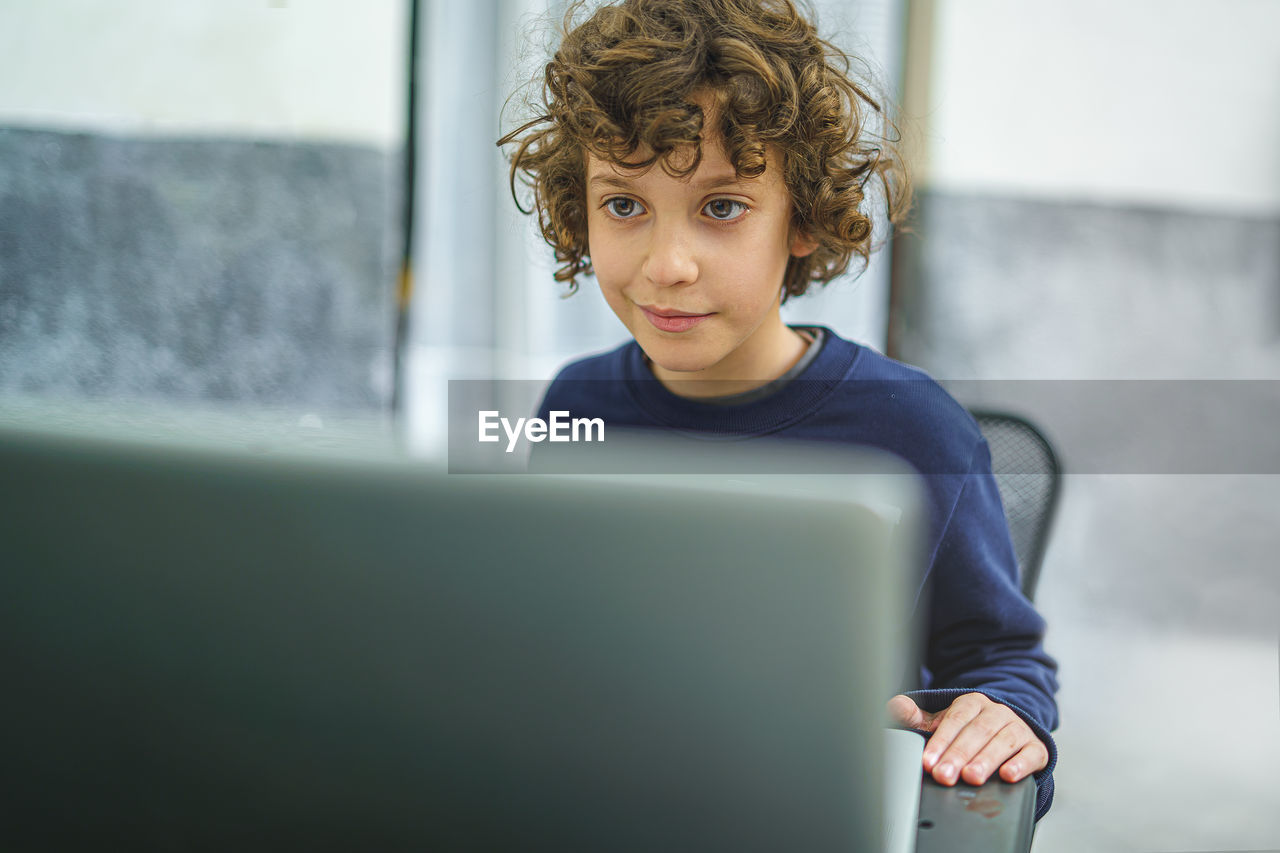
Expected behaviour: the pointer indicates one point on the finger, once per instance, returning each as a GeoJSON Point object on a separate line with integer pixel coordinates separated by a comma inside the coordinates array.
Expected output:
{"type": "Point", "coordinates": [1005, 744]}
{"type": "Point", "coordinates": [1032, 757]}
{"type": "Point", "coordinates": [949, 724]}
{"type": "Point", "coordinates": [904, 711]}
{"type": "Point", "coordinates": [976, 733]}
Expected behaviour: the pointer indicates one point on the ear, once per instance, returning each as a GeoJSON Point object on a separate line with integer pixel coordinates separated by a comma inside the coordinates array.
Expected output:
{"type": "Point", "coordinates": [802, 245]}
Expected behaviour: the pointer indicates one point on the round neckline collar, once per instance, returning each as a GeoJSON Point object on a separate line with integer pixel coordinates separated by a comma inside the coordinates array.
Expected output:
{"type": "Point", "coordinates": [792, 401]}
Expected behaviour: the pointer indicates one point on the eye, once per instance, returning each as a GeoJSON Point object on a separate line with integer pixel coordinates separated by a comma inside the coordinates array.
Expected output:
{"type": "Point", "coordinates": [621, 207]}
{"type": "Point", "coordinates": [724, 209]}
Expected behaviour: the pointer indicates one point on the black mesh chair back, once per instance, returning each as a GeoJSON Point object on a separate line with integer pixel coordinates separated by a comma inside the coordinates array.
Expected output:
{"type": "Point", "coordinates": [1028, 474]}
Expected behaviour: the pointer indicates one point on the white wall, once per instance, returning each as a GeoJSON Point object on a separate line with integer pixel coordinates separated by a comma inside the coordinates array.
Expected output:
{"type": "Point", "coordinates": [312, 69]}
{"type": "Point", "coordinates": [1153, 102]}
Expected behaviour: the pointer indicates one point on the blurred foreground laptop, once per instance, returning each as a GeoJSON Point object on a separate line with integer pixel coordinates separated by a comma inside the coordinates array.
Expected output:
{"type": "Point", "coordinates": [208, 649]}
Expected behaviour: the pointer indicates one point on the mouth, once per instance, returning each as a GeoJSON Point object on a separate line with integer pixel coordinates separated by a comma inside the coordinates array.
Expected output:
{"type": "Point", "coordinates": [670, 320]}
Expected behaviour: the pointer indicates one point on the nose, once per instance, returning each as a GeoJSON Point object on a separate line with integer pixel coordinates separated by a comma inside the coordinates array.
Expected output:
{"type": "Point", "coordinates": [670, 260]}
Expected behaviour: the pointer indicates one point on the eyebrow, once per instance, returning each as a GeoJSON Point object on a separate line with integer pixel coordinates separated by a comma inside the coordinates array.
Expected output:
{"type": "Point", "coordinates": [728, 179]}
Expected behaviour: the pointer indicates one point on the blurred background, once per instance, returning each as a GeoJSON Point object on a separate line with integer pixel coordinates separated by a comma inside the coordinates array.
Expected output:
{"type": "Point", "coordinates": [198, 200]}
{"type": "Point", "coordinates": [296, 206]}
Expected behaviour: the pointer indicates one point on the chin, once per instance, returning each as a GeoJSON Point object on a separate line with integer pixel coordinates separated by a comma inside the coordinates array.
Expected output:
{"type": "Point", "coordinates": [681, 366]}
{"type": "Point", "coordinates": [682, 354]}
{"type": "Point", "coordinates": [678, 362]}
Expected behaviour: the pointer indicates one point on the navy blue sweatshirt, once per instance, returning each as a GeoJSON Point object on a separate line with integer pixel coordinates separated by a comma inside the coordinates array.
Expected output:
{"type": "Point", "coordinates": [981, 633]}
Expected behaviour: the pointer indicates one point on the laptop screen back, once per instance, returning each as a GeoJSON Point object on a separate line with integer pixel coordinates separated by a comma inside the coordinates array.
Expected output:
{"type": "Point", "coordinates": [214, 650]}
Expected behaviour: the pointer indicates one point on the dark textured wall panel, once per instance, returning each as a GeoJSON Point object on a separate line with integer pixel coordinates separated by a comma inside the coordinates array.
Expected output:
{"type": "Point", "coordinates": [1003, 288]}
{"type": "Point", "coordinates": [196, 270]}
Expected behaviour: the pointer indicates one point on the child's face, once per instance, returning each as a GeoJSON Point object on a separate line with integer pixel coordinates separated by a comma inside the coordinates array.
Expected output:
{"type": "Point", "coordinates": [693, 267]}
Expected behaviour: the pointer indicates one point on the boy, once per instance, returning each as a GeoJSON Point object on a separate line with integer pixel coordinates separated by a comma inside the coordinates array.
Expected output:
{"type": "Point", "coordinates": [706, 159]}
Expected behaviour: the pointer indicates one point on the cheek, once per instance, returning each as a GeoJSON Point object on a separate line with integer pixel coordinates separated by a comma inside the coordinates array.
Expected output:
{"type": "Point", "coordinates": [753, 276]}
{"type": "Point", "coordinates": [604, 270]}
{"type": "Point", "coordinates": [607, 260]}
{"type": "Point", "coordinates": [605, 273]}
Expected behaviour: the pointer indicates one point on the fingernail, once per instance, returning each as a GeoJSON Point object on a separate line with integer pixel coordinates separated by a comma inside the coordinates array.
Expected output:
{"type": "Point", "coordinates": [979, 768]}
{"type": "Point", "coordinates": [948, 772]}
{"type": "Point", "coordinates": [930, 759]}
{"type": "Point", "coordinates": [1014, 771]}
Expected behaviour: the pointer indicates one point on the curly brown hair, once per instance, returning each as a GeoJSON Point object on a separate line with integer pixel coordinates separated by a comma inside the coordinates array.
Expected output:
{"type": "Point", "coordinates": [625, 79]}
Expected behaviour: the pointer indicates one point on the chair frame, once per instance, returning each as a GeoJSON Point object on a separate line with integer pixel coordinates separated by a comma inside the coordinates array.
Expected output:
{"type": "Point", "coordinates": [1029, 562]}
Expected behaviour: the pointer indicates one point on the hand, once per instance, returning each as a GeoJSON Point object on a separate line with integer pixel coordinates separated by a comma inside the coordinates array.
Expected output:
{"type": "Point", "coordinates": [971, 738]}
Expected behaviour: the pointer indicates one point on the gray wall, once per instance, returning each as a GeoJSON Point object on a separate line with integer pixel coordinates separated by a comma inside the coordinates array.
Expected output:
{"type": "Point", "coordinates": [998, 287]}
{"type": "Point", "coordinates": [191, 269]}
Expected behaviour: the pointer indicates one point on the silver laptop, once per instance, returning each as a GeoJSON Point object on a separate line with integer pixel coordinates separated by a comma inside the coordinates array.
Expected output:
{"type": "Point", "coordinates": [210, 647]}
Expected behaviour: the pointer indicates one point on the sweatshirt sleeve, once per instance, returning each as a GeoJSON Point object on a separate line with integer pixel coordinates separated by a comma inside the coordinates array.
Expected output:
{"type": "Point", "coordinates": [983, 635]}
